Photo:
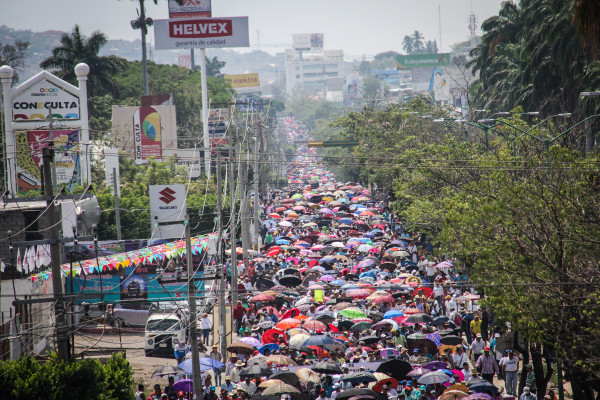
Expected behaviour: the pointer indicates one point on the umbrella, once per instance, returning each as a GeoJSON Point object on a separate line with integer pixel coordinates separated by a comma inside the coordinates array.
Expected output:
{"type": "Point", "coordinates": [433, 377]}
{"type": "Point", "coordinates": [451, 340]}
{"type": "Point", "coordinates": [168, 370]}
{"type": "Point", "coordinates": [359, 377]}
{"type": "Point", "coordinates": [269, 336]}
{"type": "Point", "coordinates": [269, 346]}
{"type": "Point", "coordinates": [325, 318]}
{"type": "Point", "coordinates": [254, 342]}
{"type": "Point", "coordinates": [184, 385]}
{"type": "Point", "coordinates": [416, 336]}
{"type": "Point", "coordinates": [420, 318]}
{"type": "Point", "coordinates": [483, 387]}
{"type": "Point", "coordinates": [363, 393]}
{"type": "Point", "coordinates": [441, 320]}
{"type": "Point", "coordinates": [418, 372]}
{"type": "Point", "coordinates": [288, 323]}
{"type": "Point", "coordinates": [258, 359]}
{"type": "Point", "coordinates": [458, 386]}
{"type": "Point", "coordinates": [327, 368]}
{"type": "Point", "coordinates": [397, 369]}
{"type": "Point", "coordinates": [279, 389]}
{"type": "Point", "coordinates": [279, 359]}
{"type": "Point", "coordinates": [360, 326]}
{"type": "Point", "coordinates": [308, 375]}
{"type": "Point", "coordinates": [353, 313]}
{"type": "Point", "coordinates": [290, 280]}
{"type": "Point", "coordinates": [480, 396]}
{"type": "Point", "coordinates": [378, 387]}
{"type": "Point", "coordinates": [263, 297]}
{"type": "Point", "coordinates": [298, 340]}
{"type": "Point", "coordinates": [452, 395]}
{"type": "Point", "coordinates": [435, 365]}
{"type": "Point", "coordinates": [255, 371]}
{"type": "Point", "coordinates": [426, 346]}
{"type": "Point", "coordinates": [240, 347]}
{"type": "Point", "coordinates": [285, 376]}
{"type": "Point", "coordinates": [342, 306]}
{"type": "Point", "coordinates": [318, 340]}
{"type": "Point", "coordinates": [369, 339]}
{"type": "Point", "coordinates": [411, 311]}
{"type": "Point", "coordinates": [314, 325]}
{"type": "Point", "coordinates": [266, 324]}
{"type": "Point", "coordinates": [392, 314]}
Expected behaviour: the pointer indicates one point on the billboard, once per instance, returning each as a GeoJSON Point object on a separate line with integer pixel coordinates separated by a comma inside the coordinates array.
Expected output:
{"type": "Point", "coordinates": [218, 121]}
{"type": "Point", "coordinates": [111, 164]}
{"type": "Point", "coordinates": [170, 34]}
{"type": "Point", "coordinates": [188, 158]}
{"type": "Point", "coordinates": [243, 81]}
{"type": "Point", "coordinates": [190, 9]}
{"type": "Point", "coordinates": [35, 103]}
{"type": "Point", "coordinates": [147, 134]}
{"type": "Point", "coordinates": [29, 146]}
{"type": "Point", "coordinates": [307, 41]}
{"type": "Point", "coordinates": [391, 76]}
{"type": "Point", "coordinates": [441, 88]}
{"type": "Point", "coordinates": [167, 204]}
{"type": "Point", "coordinates": [423, 61]}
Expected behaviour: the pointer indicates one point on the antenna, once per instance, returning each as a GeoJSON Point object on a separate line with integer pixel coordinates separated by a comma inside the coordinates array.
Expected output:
{"type": "Point", "coordinates": [440, 24]}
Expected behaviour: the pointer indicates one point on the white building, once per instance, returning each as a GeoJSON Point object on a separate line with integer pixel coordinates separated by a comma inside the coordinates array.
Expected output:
{"type": "Point", "coordinates": [314, 74]}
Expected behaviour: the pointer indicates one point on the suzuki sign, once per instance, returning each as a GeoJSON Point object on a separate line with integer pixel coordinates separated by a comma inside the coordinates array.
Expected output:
{"type": "Point", "coordinates": [167, 204]}
{"type": "Point", "coordinates": [201, 33]}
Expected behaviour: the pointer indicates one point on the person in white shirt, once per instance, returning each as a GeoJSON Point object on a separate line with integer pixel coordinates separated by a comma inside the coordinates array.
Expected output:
{"type": "Point", "coordinates": [206, 325]}
{"type": "Point", "coordinates": [248, 385]}
{"type": "Point", "coordinates": [337, 389]}
{"type": "Point", "coordinates": [248, 284]}
{"type": "Point", "coordinates": [466, 372]}
{"type": "Point", "coordinates": [510, 369]}
{"type": "Point", "coordinates": [459, 358]}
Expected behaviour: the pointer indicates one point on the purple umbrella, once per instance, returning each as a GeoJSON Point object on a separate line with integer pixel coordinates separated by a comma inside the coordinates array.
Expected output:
{"type": "Point", "coordinates": [479, 396]}
{"type": "Point", "coordinates": [325, 210]}
{"type": "Point", "coordinates": [184, 385]}
{"type": "Point", "coordinates": [385, 352]}
{"type": "Point", "coordinates": [435, 365]}
{"type": "Point", "coordinates": [327, 278]}
{"type": "Point", "coordinates": [251, 341]}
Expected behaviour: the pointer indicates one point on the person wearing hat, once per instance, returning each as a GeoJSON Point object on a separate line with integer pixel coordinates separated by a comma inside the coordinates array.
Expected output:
{"type": "Point", "coordinates": [530, 381]}
{"type": "Point", "coordinates": [248, 385]}
{"type": "Point", "coordinates": [206, 325]}
{"type": "Point", "coordinates": [235, 373]}
{"type": "Point", "coordinates": [527, 395]}
{"type": "Point", "coordinates": [488, 365]}
{"type": "Point", "coordinates": [337, 389]}
{"type": "Point", "coordinates": [181, 396]}
{"type": "Point", "coordinates": [510, 370]}
{"type": "Point", "coordinates": [228, 385]}
{"type": "Point", "coordinates": [476, 347]}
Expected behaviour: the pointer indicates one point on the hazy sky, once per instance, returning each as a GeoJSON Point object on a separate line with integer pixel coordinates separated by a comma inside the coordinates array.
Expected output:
{"type": "Point", "coordinates": [355, 26]}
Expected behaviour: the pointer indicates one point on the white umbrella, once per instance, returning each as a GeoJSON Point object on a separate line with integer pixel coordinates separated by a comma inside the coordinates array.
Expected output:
{"type": "Point", "coordinates": [363, 248]}
{"type": "Point", "coordinates": [285, 223]}
{"type": "Point", "coordinates": [338, 245]}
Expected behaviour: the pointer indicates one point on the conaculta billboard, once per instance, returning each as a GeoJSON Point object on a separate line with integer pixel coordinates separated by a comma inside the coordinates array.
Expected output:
{"type": "Point", "coordinates": [161, 130]}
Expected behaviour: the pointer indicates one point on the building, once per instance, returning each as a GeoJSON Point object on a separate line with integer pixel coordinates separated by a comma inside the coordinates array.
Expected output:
{"type": "Point", "coordinates": [320, 73]}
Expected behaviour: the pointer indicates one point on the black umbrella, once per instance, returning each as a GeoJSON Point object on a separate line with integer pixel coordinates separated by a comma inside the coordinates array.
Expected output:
{"type": "Point", "coordinates": [291, 271]}
{"type": "Point", "coordinates": [390, 266]}
{"type": "Point", "coordinates": [301, 348]}
{"type": "Point", "coordinates": [483, 387]}
{"type": "Point", "coordinates": [420, 318]}
{"type": "Point", "coordinates": [369, 339]}
{"type": "Point", "coordinates": [397, 369]}
{"type": "Point", "coordinates": [255, 371]}
{"type": "Point", "coordinates": [347, 394]}
{"type": "Point", "coordinates": [390, 286]}
{"type": "Point", "coordinates": [438, 321]}
{"type": "Point", "coordinates": [451, 340]}
{"type": "Point", "coordinates": [327, 368]}
{"type": "Point", "coordinates": [359, 377]}
{"type": "Point", "coordinates": [401, 292]}
{"type": "Point", "coordinates": [263, 283]}
{"type": "Point", "coordinates": [168, 370]}
{"type": "Point", "coordinates": [287, 377]}
{"type": "Point", "coordinates": [345, 325]}
{"type": "Point", "coordinates": [325, 318]}
{"type": "Point", "coordinates": [290, 281]}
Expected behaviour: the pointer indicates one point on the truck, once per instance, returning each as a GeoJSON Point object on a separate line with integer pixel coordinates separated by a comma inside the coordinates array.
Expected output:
{"type": "Point", "coordinates": [163, 331]}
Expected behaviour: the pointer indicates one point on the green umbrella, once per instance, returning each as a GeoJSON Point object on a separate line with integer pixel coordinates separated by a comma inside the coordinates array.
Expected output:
{"type": "Point", "coordinates": [361, 326]}
{"type": "Point", "coordinates": [353, 313]}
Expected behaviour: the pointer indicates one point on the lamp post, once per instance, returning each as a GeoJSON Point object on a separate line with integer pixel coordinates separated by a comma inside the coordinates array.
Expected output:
{"type": "Point", "coordinates": [590, 140]}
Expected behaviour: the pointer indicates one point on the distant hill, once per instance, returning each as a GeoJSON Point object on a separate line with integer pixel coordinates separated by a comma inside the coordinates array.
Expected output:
{"type": "Point", "coordinates": [42, 43]}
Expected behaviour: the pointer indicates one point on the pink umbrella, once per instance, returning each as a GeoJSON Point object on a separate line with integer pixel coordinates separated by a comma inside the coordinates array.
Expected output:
{"type": "Point", "coordinates": [254, 342]}
{"type": "Point", "coordinates": [383, 299]}
{"type": "Point", "coordinates": [327, 278]}
{"type": "Point", "coordinates": [358, 293]}
{"type": "Point", "coordinates": [315, 287]}
{"type": "Point", "coordinates": [374, 250]}
{"type": "Point", "coordinates": [292, 259]}
{"type": "Point", "coordinates": [314, 325]}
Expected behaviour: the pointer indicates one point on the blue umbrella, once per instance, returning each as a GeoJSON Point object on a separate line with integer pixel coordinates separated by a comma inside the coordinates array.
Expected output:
{"type": "Point", "coordinates": [349, 286]}
{"type": "Point", "coordinates": [270, 346]}
{"type": "Point", "coordinates": [326, 260]}
{"type": "Point", "coordinates": [392, 314]}
{"type": "Point", "coordinates": [282, 241]}
{"type": "Point", "coordinates": [348, 221]}
{"type": "Point", "coordinates": [206, 364]}
{"type": "Point", "coordinates": [318, 340]}
{"type": "Point", "coordinates": [337, 282]}
{"type": "Point", "coordinates": [370, 274]}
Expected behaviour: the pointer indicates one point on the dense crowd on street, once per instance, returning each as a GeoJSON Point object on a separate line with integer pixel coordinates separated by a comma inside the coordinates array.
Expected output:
{"type": "Point", "coordinates": [343, 301]}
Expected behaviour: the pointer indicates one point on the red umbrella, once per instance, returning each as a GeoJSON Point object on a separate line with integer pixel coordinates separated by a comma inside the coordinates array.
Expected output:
{"type": "Point", "coordinates": [411, 311]}
{"type": "Point", "coordinates": [280, 209]}
{"type": "Point", "coordinates": [379, 385]}
{"type": "Point", "coordinates": [314, 325]}
{"type": "Point", "coordinates": [333, 328]}
{"type": "Point", "coordinates": [358, 293]}
{"type": "Point", "coordinates": [274, 215]}
{"type": "Point", "coordinates": [319, 350]}
{"type": "Point", "coordinates": [263, 297]}
{"type": "Point", "coordinates": [269, 336]}
{"type": "Point", "coordinates": [426, 291]}
{"type": "Point", "coordinates": [291, 313]}
{"type": "Point", "coordinates": [288, 323]}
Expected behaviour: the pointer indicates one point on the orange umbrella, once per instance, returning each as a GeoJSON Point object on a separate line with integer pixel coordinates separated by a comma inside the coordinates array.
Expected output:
{"type": "Point", "coordinates": [288, 323]}
{"type": "Point", "coordinates": [301, 317]}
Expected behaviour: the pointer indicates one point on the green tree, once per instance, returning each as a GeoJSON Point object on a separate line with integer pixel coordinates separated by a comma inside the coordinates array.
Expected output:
{"type": "Point", "coordinates": [14, 56]}
{"type": "Point", "coordinates": [74, 48]}
{"type": "Point", "coordinates": [214, 66]}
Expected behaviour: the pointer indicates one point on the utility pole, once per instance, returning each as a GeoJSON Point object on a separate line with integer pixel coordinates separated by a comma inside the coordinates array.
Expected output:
{"type": "Point", "coordinates": [117, 205]}
{"type": "Point", "coordinates": [193, 317]}
{"type": "Point", "coordinates": [51, 136]}
{"type": "Point", "coordinates": [232, 219]}
{"type": "Point", "coordinates": [256, 174]}
{"type": "Point", "coordinates": [62, 340]}
{"type": "Point", "coordinates": [245, 211]}
{"type": "Point", "coordinates": [222, 330]}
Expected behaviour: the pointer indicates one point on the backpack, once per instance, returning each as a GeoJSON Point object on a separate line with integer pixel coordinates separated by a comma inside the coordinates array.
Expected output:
{"type": "Point", "coordinates": [457, 319]}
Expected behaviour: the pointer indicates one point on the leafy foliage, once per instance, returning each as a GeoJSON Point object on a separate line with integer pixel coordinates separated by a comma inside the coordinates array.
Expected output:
{"type": "Point", "coordinates": [14, 56]}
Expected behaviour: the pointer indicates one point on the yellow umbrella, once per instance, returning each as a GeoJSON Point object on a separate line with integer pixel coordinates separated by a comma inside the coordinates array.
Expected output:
{"type": "Point", "coordinates": [279, 359]}
{"type": "Point", "coordinates": [270, 382]}
{"type": "Point", "coordinates": [452, 395]}
{"type": "Point", "coordinates": [308, 375]}
{"type": "Point", "coordinates": [327, 199]}
{"type": "Point", "coordinates": [279, 389]}
{"type": "Point", "coordinates": [458, 386]}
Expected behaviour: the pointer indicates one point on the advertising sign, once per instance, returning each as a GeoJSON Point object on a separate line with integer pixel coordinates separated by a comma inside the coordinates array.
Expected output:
{"type": "Point", "coordinates": [391, 76]}
{"type": "Point", "coordinates": [35, 103]}
{"type": "Point", "coordinates": [111, 164]}
{"type": "Point", "coordinates": [242, 80]}
{"type": "Point", "coordinates": [190, 9]}
{"type": "Point", "coordinates": [423, 61]}
{"type": "Point", "coordinates": [29, 157]}
{"type": "Point", "coordinates": [307, 41]}
{"type": "Point", "coordinates": [147, 134]}
{"type": "Point", "coordinates": [441, 89]}
{"type": "Point", "coordinates": [218, 121]}
{"type": "Point", "coordinates": [167, 204]}
{"type": "Point", "coordinates": [193, 33]}
{"type": "Point", "coordinates": [188, 158]}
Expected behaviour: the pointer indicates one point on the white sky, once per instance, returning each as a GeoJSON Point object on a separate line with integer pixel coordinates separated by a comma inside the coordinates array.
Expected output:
{"type": "Point", "coordinates": [355, 26]}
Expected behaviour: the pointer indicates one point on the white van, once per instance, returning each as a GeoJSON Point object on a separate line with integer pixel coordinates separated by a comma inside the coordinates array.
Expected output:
{"type": "Point", "coordinates": [163, 332]}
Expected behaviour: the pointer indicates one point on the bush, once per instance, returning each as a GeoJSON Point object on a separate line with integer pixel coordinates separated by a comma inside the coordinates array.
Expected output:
{"type": "Point", "coordinates": [27, 378]}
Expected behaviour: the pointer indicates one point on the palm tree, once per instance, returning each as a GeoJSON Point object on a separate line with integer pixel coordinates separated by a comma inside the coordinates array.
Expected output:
{"type": "Point", "coordinates": [407, 44]}
{"type": "Point", "coordinates": [75, 48]}
{"type": "Point", "coordinates": [586, 19]}
{"type": "Point", "coordinates": [418, 41]}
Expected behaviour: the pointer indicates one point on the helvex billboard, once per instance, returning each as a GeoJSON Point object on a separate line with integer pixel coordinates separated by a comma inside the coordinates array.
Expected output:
{"type": "Point", "coordinates": [201, 33]}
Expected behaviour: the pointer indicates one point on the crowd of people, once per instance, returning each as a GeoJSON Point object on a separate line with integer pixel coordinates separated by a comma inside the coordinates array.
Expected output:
{"type": "Point", "coordinates": [344, 302]}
